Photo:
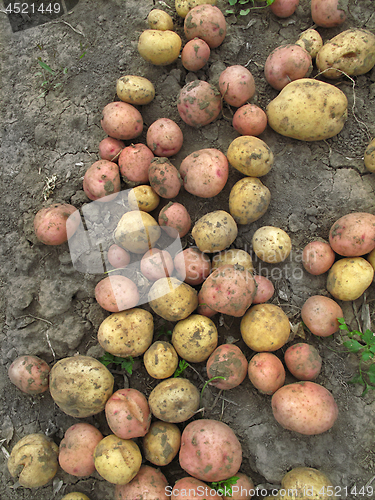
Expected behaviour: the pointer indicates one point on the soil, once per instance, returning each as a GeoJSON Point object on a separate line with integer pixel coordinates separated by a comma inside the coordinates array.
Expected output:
{"type": "Point", "coordinates": [50, 136]}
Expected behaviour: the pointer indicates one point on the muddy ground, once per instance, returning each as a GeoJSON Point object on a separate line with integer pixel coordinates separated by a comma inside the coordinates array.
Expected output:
{"type": "Point", "coordinates": [48, 308]}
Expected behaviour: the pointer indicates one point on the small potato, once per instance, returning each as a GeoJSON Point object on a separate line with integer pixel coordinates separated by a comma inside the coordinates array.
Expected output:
{"type": "Point", "coordinates": [266, 372]}
{"type": "Point", "coordinates": [250, 156]}
{"type": "Point", "coordinates": [214, 231]}
{"type": "Point", "coordinates": [75, 495]}
{"type": "Point", "coordinates": [134, 162]}
{"type": "Point", "coordinates": [162, 443]}
{"type": "Point", "coordinates": [227, 361]}
{"type": "Point", "coordinates": [236, 85]}
{"type": "Point", "coordinates": [195, 338]}
{"type": "Point", "coordinates": [116, 293]}
{"type": "Point", "coordinates": [271, 244]}
{"type": "Point", "coordinates": [320, 313]}
{"type": "Point", "coordinates": [192, 266]}
{"type": "Point", "coordinates": [174, 400]}
{"type": "Point", "coordinates": [159, 47]}
{"type": "Point", "coordinates": [102, 180]}
{"type": "Point", "coordinates": [249, 119]}
{"type": "Point", "coordinates": [135, 90]}
{"type": "Point", "coordinates": [327, 13]}
{"type": "Point", "coordinates": [117, 460]}
{"type": "Point", "coordinates": [175, 220]}
{"type": "Point", "coordinates": [311, 41]}
{"type": "Point", "coordinates": [172, 299]}
{"type": "Point", "coordinates": [285, 64]}
{"type": "Point", "coordinates": [143, 198]}
{"type": "Point", "coordinates": [29, 374]}
{"type": "Point", "coordinates": [206, 22]}
{"type": "Point", "coordinates": [353, 234]}
{"type": "Point", "coordinates": [349, 278]}
{"type": "Point", "coordinates": [318, 257]}
{"type": "Point", "coordinates": [233, 257]}
{"type": "Point", "coordinates": [33, 460]}
{"type": "Point", "coordinates": [303, 361]}
{"type": "Point", "coordinates": [306, 479]}
{"type": "Point", "coordinates": [159, 20]}
{"type": "Point", "coordinates": [164, 178]}
{"type": "Point", "coordinates": [248, 200]}
{"type": "Point", "coordinates": [110, 149]}
{"type": "Point", "coordinates": [199, 103]}
{"type": "Point", "coordinates": [284, 8]}
{"type": "Point", "coordinates": [242, 489]}
{"type": "Point", "coordinates": [160, 360]}
{"type": "Point", "coordinates": [370, 156]}
{"type": "Point", "coordinates": [53, 225]}
{"type": "Point", "coordinates": [148, 483]}
{"type": "Point", "coordinates": [136, 231]}
{"type": "Point", "coordinates": [156, 264]}
{"type": "Point", "coordinates": [164, 137]}
{"type": "Point", "coordinates": [265, 290]}
{"type": "Point", "coordinates": [121, 121]}
{"type": "Point", "coordinates": [195, 54]}
{"type": "Point", "coordinates": [183, 6]}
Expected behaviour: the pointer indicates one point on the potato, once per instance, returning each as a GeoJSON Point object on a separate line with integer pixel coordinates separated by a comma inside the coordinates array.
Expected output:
{"type": "Point", "coordinates": [265, 290]}
{"type": "Point", "coordinates": [371, 258]}
{"type": "Point", "coordinates": [353, 234]}
{"type": "Point", "coordinates": [190, 488]}
{"type": "Point", "coordinates": [121, 120]}
{"type": "Point", "coordinates": [137, 231]}
{"type": "Point", "coordinates": [134, 162]}
{"type": "Point", "coordinates": [159, 47]}
{"type": "Point", "coordinates": [248, 200]}
{"type": "Point", "coordinates": [327, 13]}
{"type": "Point", "coordinates": [210, 450]}
{"type": "Point", "coordinates": [172, 299]}
{"type": "Point", "coordinates": [203, 308]}
{"type": "Point", "coordinates": [102, 180]}
{"type": "Point", "coordinates": [204, 172]}
{"type": "Point", "coordinates": [249, 119]}
{"type": "Point", "coordinates": [128, 414]}
{"type": "Point", "coordinates": [349, 278]}
{"type": "Point", "coordinates": [195, 338]}
{"type": "Point", "coordinates": [311, 41]}
{"type": "Point", "coordinates": [127, 333]}
{"type": "Point", "coordinates": [195, 54]}
{"type": "Point", "coordinates": [308, 482]}
{"type": "Point", "coordinates": [164, 178]}
{"type": "Point", "coordinates": [192, 266]}
{"type": "Point", "coordinates": [116, 293]}
{"type": "Point", "coordinates": [271, 244]}
{"type": "Point", "coordinates": [76, 451]}
{"type": "Point", "coordinates": [265, 327]}
{"type": "Point", "coordinates": [110, 149]}
{"type": "Point", "coordinates": [80, 385]}
{"type": "Point", "coordinates": [156, 264]}
{"type": "Point", "coordinates": [214, 231]}
{"type": "Point", "coordinates": [199, 103]}
{"type": "Point", "coordinates": [135, 90]}
{"type": "Point", "coordinates": [369, 158]}
{"type": "Point", "coordinates": [183, 6]}
{"type": "Point", "coordinates": [236, 85]}
{"type": "Point", "coordinates": [227, 361]}
{"type": "Point", "coordinates": [351, 51]}
{"type": "Point", "coordinates": [303, 361]}
{"type": "Point", "coordinates": [308, 110]}
{"type": "Point", "coordinates": [320, 313]}
{"type": "Point", "coordinates": [285, 64]}
{"type": "Point", "coordinates": [117, 460]}
{"type": "Point", "coordinates": [266, 372]}
{"type": "Point", "coordinates": [148, 483]}
{"type": "Point", "coordinates": [232, 257]}
{"type": "Point", "coordinates": [164, 137]}
{"type": "Point", "coordinates": [206, 22]}
{"type": "Point", "coordinates": [250, 156]}
{"type": "Point", "coordinates": [174, 400]}
{"type": "Point", "coordinates": [314, 409]}
{"type": "Point", "coordinates": [160, 360]}
{"type": "Point", "coordinates": [162, 443]}
{"type": "Point", "coordinates": [75, 495]}
{"type": "Point", "coordinates": [284, 8]}
{"type": "Point", "coordinates": [242, 489]}
{"type": "Point", "coordinates": [143, 198]}
{"type": "Point", "coordinates": [175, 220]}
{"type": "Point", "coordinates": [29, 374]}
{"type": "Point", "coordinates": [159, 20]}
{"type": "Point", "coordinates": [33, 460]}
{"type": "Point", "coordinates": [318, 257]}
{"type": "Point", "coordinates": [53, 225]}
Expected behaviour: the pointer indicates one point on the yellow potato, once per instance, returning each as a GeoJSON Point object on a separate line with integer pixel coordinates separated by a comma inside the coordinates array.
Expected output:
{"type": "Point", "coordinates": [250, 155]}
{"type": "Point", "coordinates": [172, 299]}
{"type": "Point", "coordinates": [248, 200]}
{"type": "Point", "coordinates": [231, 258]}
{"type": "Point", "coordinates": [311, 41]}
{"type": "Point", "coordinates": [160, 20]}
{"type": "Point", "coordinates": [370, 156]}
{"type": "Point", "coordinates": [160, 360]}
{"type": "Point", "coordinates": [371, 258]}
{"type": "Point", "coordinates": [271, 244]}
{"type": "Point", "coordinates": [162, 443]}
{"type": "Point", "coordinates": [143, 198]}
{"type": "Point", "coordinates": [215, 231]}
{"type": "Point", "coordinates": [135, 89]}
{"type": "Point", "coordinates": [348, 278]}
{"type": "Point", "coordinates": [195, 338]}
{"type": "Point", "coordinates": [351, 51]}
{"type": "Point", "coordinates": [308, 110]}
{"type": "Point", "coordinates": [137, 231]}
{"type": "Point", "coordinates": [307, 483]}
{"type": "Point", "coordinates": [159, 47]}
{"type": "Point", "coordinates": [75, 495]}
{"type": "Point", "coordinates": [183, 6]}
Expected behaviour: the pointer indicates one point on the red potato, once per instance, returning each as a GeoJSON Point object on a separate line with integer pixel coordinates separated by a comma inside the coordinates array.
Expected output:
{"type": "Point", "coordinates": [265, 290]}
{"type": "Point", "coordinates": [284, 8]}
{"type": "Point", "coordinates": [195, 54]}
{"type": "Point", "coordinates": [109, 149]}
{"type": "Point", "coordinates": [54, 225]}
{"type": "Point", "coordinates": [128, 414]}
{"type": "Point", "coordinates": [116, 293]}
{"type": "Point", "coordinates": [118, 257]}
{"type": "Point", "coordinates": [353, 234]}
{"type": "Point", "coordinates": [304, 407]}
{"type": "Point", "coordinates": [327, 13]}
{"type": "Point", "coordinates": [121, 121]}
{"type": "Point", "coordinates": [190, 488]}
{"type": "Point", "coordinates": [192, 266]}
{"type": "Point", "coordinates": [203, 308]}
{"type": "Point", "coordinates": [249, 119]}
{"type": "Point", "coordinates": [149, 483]}
{"type": "Point", "coordinates": [303, 361]}
{"type": "Point", "coordinates": [164, 178]}
{"type": "Point", "coordinates": [175, 220]}
{"type": "Point", "coordinates": [199, 103]}
{"type": "Point", "coordinates": [318, 257]}
{"type": "Point", "coordinates": [206, 22]}
{"type": "Point", "coordinates": [227, 361]}
{"type": "Point", "coordinates": [102, 180]}
{"type": "Point", "coordinates": [266, 372]}
{"type": "Point", "coordinates": [320, 315]}
{"type": "Point", "coordinates": [134, 162]}
{"type": "Point", "coordinates": [243, 489]}
{"type": "Point", "coordinates": [236, 85]}
{"type": "Point", "coordinates": [210, 450]}
{"type": "Point", "coordinates": [76, 452]}
{"type": "Point", "coordinates": [156, 264]}
{"type": "Point", "coordinates": [164, 137]}
{"type": "Point", "coordinates": [29, 374]}
{"type": "Point", "coordinates": [286, 64]}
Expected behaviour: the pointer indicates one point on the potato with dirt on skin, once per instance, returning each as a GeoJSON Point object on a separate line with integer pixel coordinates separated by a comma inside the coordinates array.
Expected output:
{"type": "Point", "coordinates": [156, 264]}
{"type": "Point", "coordinates": [229, 362]}
{"type": "Point", "coordinates": [199, 103]}
{"type": "Point", "coordinates": [236, 85]}
{"type": "Point", "coordinates": [214, 231]}
{"type": "Point", "coordinates": [162, 443]}
{"type": "Point", "coordinates": [164, 178]}
{"type": "Point", "coordinates": [311, 41]}
{"type": "Point", "coordinates": [203, 308]}
{"type": "Point", "coordinates": [265, 289]}
{"type": "Point", "coordinates": [349, 278]}
{"type": "Point", "coordinates": [285, 64]}
{"type": "Point", "coordinates": [110, 149]}
{"type": "Point", "coordinates": [134, 162]}
{"type": "Point", "coordinates": [249, 119]}
{"type": "Point", "coordinates": [172, 299]}
{"type": "Point", "coordinates": [75, 495]}
{"type": "Point", "coordinates": [232, 257]}
{"type": "Point", "coordinates": [183, 6]}
{"type": "Point", "coordinates": [318, 257]}
{"type": "Point", "coordinates": [29, 374]}
{"type": "Point", "coordinates": [266, 372]}
{"type": "Point", "coordinates": [159, 20]}
{"type": "Point", "coordinates": [369, 158]}
{"type": "Point", "coordinates": [306, 479]}
{"type": "Point", "coordinates": [284, 8]}
{"type": "Point", "coordinates": [303, 361]}
{"type": "Point", "coordinates": [102, 181]}
{"type": "Point", "coordinates": [175, 220]}
{"type": "Point", "coordinates": [327, 13]}
{"type": "Point", "coordinates": [116, 293]}
{"type": "Point", "coordinates": [164, 137]}
{"type": "Point", "coordinates": [160, 48]}
{"type": "Point", "coordinates": [143, 198]}
{"type": "Point", "coordinates": [118, 257]}
{"type": "Point", "coordinates": [206, 22]}
{"type": "Point", "coordinates": [271, 244]}
{"type": "Point", "coordinates": [160, 360]}
{"type": "Point", "coordinates": [249, 199]}
{"type": "Point", "coordinates": [195, 54]}
{"type": "Point", "coordinates": [135, 90]}
{"type": "Point", "coordinates": [55, 224]}
{"type": "Point", "coordinates": [192, 266]}
{"type": "Point", "coordinates": [320, 313]}
{"type": "Point", "coordinates": [353, 235]}
{"type": "Point", "coordinates": [136, 231]}
{"type": "Point", "coordinates": [242, 489]}
{"type": "Point", "coordinates": [148, 483]}
{"type": "Point", "coordinates": [122, 121]}
{"type": "Point", "coordinates": [190, 488]}
{"type": "Point", "coordinates": [250, 155]}
{"type": "Point", "coordinates": [195, 338]}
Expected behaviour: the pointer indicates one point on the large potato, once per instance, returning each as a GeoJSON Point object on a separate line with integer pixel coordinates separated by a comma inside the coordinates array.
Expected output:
{"type": "Point", "coordinates": [135, 89]}
{"type": "Point", "coordinates": [137, 231]}
{"type": "Point", "coordinates": [353, 234]}
{"type": "Point", "coordinates": [162, 443]}
{"type": "Point", "coordinates": [271, 244]}
{"type": "Point", "coordinates": [159, 47]}
{"type": "Point", "coordinates": [308, 110]}
{"type": "Point", "coordinates": [232, 257]}
{"type": "Point", "coordinates": [194, 338]}
{"type": "Point", "coordinates": [80, 385]}
{"type": "Point", "coordinates": [172, 299]}
{"type": "Point", "coordinates": [214, 231]}
{"type": "Point", "coordinates": [206, 22]}
{"type": "Point", "coordinates": [348, 278]}
{"type": "Point", "coordinates": [250, 156]}
{"type": "Point", "coordinates": [351, 52]}
{"type": "Point", "coordinates": [248, 200]}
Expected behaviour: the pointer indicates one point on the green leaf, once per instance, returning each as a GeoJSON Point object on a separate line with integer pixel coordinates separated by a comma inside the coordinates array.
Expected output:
{"type": "Point", "coordinates": [353, 345]}
{"type": "Point", "coordinates": [270, 2]}
{"type": "Point", "coordinates": [232, 2]}
{"type": "Point", "coordinates": [65, 70]}
{"type": "Point", "coordinates": [366, 356]}
{"type": "Point", "coordinates": [369, 337]}
{"type": "Point", "coordinates": [230, 11]}
{"type": "Point", "coordinates": [182, 365]}
{"type": "Point", "coordinates": [46, 67]}
{"type": "Point", "coordinates": [243, 2]}
{"type": "Point", "coordinates": [371, 377]}
{"type": "Point", "coordinates": [82, 55]}
{"type": "Point", "coordinates": [107, 359]}
{"type": "Point", "coordinates": [244, 12]}
{"type": "Point", "coordinates": [208, 381]}
{"type": "Point", "coordinates": [127, 365]}
{"type": "Point", "coordinates": [357, 379]}
{"type": "Point", "coordinates": [371, 369]}
{"type": "Point", "coordinates": [225, 486]}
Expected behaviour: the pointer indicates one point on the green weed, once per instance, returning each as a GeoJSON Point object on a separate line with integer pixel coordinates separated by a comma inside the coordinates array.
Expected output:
{"type": "Point", "coordinates": [182, 365]}
{"type": "Point", "coordinates": [51, 78]}
{"type": "Point", "coordinates": [124, 363]}
{"type": "Point", "coordinates": [225, 487]}
{"type": "Point", "coordinates": [244, 12]}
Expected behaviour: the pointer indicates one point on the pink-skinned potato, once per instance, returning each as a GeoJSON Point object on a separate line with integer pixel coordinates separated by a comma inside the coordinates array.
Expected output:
{"type": "Point", "coordinates": [353, 235]}
{"type": "Point", "coordinates": [190, 488]}
{"type": "Point", "coordinates": [265, 289]}
{"type": "Point", "coordinates": [227, 361]}
{"type": "Point", "coordinates": [174, 219]}
{"type": "Point", "coordinates": [29, 374]}
{"type": "Point", "coordinates": [164, 178]}
{"type": "Point", "coordinates": [243, 489]}
{"type": "Point", "coordinates": [134, 162]}
{"type": "Point", "coordinates": [164, 137]}
{"type": "Point", "coordinates": [195, 54]}
{"type": "Point", "coordinates": [55, 224]}
{"type": "Point", "coordinates": [117, 256]}
{"type": "Point", "coordinates": [206, 22]}
{"type": "Point", "coordinates": [102, 180]}
{"type": "Point", "coordinates": [320, 313]}
{"type": "Point", "coordinates": [285, 64]}
{"type": "Point", "coordinates": [76, 451]}
{"type": "Point", "coordinates": [266, 372]}
{"type": "Point", "coordinates": [327, 13]}
{"type": "Point", "coordinates": [116, 293]}
{"type": "Point", "coordinates": [192, 266]}
{"type": "Point", "coordinates": [304, 407]}
{"type": "Point", "coordinates": [156, 264]}
{"type": "Point", "coordinates": [303, 361]}
{"type": "Point", "coordinates": [121, 120]}
{"type": "Point", "coordinates": [249, 119]}
{"type": "Point", "coordinates": [284, 8]}
{"type": "Point", "coordinates": [199, 103]}
{"type": "Point", "coordinates": [203, 308]}
{"type": "Point", "coordinates": [149, 483]}
{"type": "Point", "coordinates": [110, 148]}
{"type": "Point", "coordinates": [236, 85]}
{"type": "Point", "coordinates": [318, 257]}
